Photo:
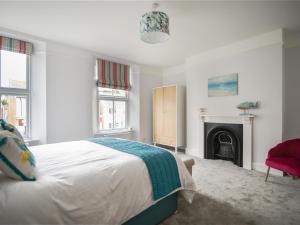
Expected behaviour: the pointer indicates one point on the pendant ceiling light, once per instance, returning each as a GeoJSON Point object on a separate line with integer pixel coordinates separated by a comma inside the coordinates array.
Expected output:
{"type": "Point", "coordinates": [154, 26]}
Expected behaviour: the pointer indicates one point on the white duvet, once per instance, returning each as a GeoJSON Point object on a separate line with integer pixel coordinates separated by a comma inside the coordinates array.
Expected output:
{"type": "Point", "coordinates": [81, 182]}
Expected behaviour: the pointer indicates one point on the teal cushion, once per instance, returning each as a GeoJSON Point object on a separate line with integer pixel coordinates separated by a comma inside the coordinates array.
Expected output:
{"type": "Point", "coordinates": [11, 128]}
{"type": "Point", "coordinates": [16, 161]}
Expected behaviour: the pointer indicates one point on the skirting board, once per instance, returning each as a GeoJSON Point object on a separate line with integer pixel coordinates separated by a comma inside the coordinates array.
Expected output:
{"type": "Point", "coordinates": [193, 152]}
{"type": "Point", "coordinates": [261, 167]}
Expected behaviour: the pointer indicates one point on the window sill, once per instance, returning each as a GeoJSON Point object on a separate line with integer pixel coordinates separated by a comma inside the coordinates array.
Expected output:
{"type": "Point", "coordinates": [31, 142]}
{"type": "Point", "coordinates": [113, 132]}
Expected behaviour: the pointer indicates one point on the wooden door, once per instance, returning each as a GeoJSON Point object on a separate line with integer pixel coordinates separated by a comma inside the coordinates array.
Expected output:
{"type": "Point", "coordinates": [158, 97]}
{"type": "Point", "coordinates": [169, 115]}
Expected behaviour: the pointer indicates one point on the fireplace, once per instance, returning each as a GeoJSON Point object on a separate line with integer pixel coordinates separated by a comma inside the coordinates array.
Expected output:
{"type": "Point", "coordinates": [224, 141]}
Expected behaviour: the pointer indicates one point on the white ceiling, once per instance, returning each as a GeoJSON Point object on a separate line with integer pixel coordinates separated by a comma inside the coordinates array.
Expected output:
{"type": "Point", "coordinates": [112, 28]}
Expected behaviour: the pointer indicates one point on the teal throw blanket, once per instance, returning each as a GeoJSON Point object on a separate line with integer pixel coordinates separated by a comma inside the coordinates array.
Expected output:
{"type": "Point", "coordinates": [161, 164]}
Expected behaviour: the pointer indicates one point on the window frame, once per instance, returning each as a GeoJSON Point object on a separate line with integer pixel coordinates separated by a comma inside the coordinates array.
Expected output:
{"type": "Point", "coordinates": [113, 99]}
{"type": "Point", "coordinates": [21, 92]}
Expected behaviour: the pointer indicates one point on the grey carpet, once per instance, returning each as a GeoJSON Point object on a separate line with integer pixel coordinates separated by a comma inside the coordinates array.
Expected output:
{"type": "Point", "coordinates": [229, 195]}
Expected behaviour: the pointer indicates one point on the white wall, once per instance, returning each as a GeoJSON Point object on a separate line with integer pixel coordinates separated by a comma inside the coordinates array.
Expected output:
{"type": "Point", "coordinates": [150, 78]}
{"type": "Point", "coordinates": [64, 92]}
{"type": "Point", "coordinates": [292, 93]}
{"type": "Point", "coordinates": [259, 63]}
{"type": "Point", "coordinates": [134, 103]}
{"type": "Point", "coordinates": [71, 101]}
{"type": "Point", "coordinates": [260, 79]}
{"type": "Point", "coordinates": [38, 96]}
{"type": "Point", "coordinates": [70, 84]}
{"type": "Point", "coordinates": [174, 75]}
{"type": "Point", "coordinates": [70, 76]}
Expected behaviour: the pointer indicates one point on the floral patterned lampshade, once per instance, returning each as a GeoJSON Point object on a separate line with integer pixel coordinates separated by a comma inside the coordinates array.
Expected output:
{"type": "Point", "coordinates": [155, 27]}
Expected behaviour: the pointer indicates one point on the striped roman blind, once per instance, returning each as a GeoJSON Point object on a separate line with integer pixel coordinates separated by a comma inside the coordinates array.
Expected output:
{"type": "Point", "coordinates": [15, 45]}
{"type": "Point", "coordinates": [113, 75]}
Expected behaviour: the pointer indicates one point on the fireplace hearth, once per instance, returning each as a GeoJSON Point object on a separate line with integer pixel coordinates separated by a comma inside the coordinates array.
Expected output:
{"type": "Point", "coordinates": [224, 141]}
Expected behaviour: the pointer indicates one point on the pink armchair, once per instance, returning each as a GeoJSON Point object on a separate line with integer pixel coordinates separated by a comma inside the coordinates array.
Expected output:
{"type": "Point", "coordinates": [285, 157]}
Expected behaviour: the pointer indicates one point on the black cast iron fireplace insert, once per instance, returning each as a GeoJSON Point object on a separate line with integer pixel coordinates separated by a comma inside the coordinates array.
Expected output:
{"type": "Point", "coordinates": [224, 141]}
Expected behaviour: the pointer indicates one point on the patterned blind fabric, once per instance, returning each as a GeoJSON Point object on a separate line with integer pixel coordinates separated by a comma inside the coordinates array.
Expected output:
{"type": "Point", "coordinates": [15, 45]}
{"type": "Point", "coordinates": [113, 75]}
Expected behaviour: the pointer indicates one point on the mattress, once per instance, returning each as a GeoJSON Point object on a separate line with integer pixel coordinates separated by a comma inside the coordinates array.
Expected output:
{"type": "Point", "coordinates": [82, 182]}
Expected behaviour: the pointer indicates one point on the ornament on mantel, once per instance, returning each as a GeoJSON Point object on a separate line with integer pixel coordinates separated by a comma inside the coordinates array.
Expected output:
{"type": "Point", "coordinates": [246, 106]}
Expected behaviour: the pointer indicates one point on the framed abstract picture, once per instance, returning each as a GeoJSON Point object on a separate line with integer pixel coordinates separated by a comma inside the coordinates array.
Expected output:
{"type": "Point", "coordinates": [226, 85]}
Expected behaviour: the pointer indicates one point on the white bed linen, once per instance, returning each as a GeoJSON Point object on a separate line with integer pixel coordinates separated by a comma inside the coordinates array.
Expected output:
{"type": "Point", "coordinates": [81, 182]}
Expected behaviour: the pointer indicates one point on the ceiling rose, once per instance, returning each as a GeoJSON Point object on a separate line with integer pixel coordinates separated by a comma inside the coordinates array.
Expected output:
{"type": "Point", "coordinates": [154, 26]}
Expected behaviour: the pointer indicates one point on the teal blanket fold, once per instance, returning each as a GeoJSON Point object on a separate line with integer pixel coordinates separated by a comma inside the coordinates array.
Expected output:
{"type": "Point", "coordinates": [161, 164]}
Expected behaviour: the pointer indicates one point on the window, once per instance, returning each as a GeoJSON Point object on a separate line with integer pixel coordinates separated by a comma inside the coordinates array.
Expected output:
{"type": "Point", "coordinates": [15, 90]}
{"type": "Point", "coordinates": [112, 109]}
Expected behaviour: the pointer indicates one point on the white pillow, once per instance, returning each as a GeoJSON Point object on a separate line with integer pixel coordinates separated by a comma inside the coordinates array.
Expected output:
{"type": "Point", "coordinates": [16, 161]}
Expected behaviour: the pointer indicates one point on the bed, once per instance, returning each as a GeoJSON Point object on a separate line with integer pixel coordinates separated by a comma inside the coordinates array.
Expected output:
{"type": "Point", "coordinates": [83, 182]}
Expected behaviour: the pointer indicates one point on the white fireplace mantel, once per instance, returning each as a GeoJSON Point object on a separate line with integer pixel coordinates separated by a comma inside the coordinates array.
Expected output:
{"type": "Point", "coordinates": [239, 119]}
{"type": "Point", "coordinates": [247, 122]}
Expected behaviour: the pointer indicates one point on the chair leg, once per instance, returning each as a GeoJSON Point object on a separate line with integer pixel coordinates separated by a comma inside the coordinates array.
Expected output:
{"type": "Point", "coordinates": [267, 174]}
